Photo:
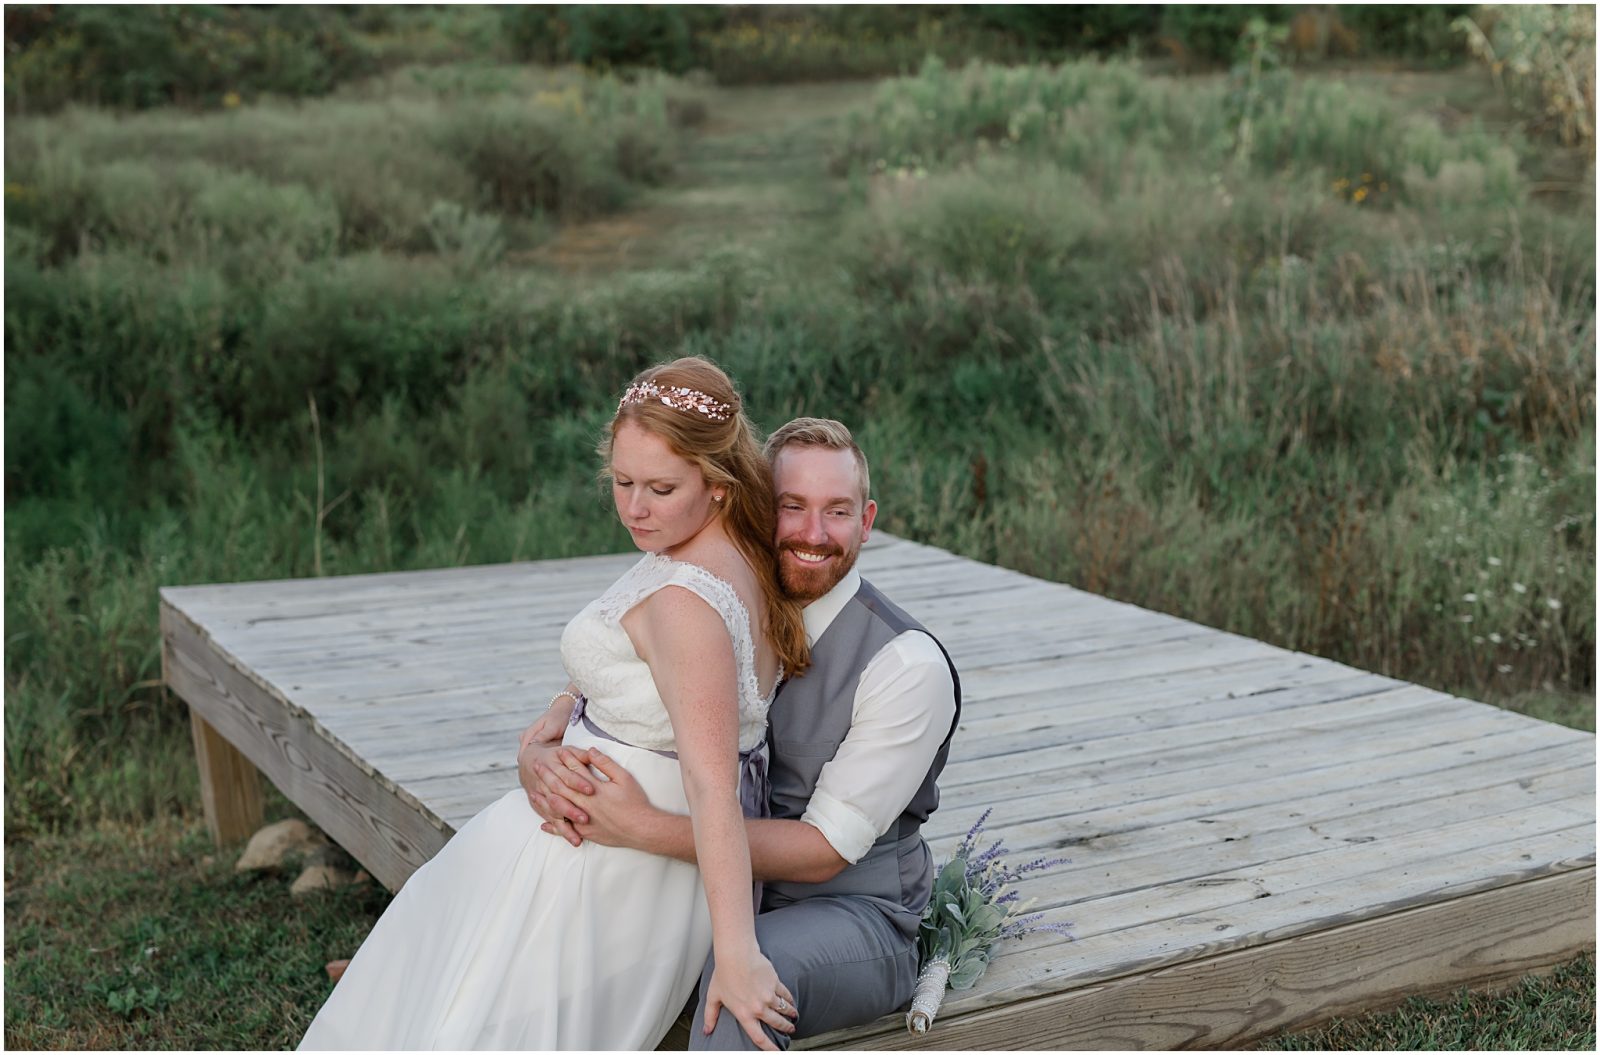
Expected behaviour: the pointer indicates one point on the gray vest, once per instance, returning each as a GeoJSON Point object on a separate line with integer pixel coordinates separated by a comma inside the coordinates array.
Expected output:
{"type": "Point", "coordinates": [808, 722]}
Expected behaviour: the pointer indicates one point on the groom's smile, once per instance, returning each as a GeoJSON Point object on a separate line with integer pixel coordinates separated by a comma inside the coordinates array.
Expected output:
{"type": "Point", "coordinates": [823, 518]}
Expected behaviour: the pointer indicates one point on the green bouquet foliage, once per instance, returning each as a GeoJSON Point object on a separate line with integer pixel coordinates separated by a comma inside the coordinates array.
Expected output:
{"type": "Point", "coordinates": [961, 925]}
{"type": "Point", "coordinates": [973, 906]}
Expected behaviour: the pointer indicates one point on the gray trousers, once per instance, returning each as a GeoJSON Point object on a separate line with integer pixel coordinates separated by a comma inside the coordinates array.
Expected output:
{"type": "Point", "coordinates": [842, 959]}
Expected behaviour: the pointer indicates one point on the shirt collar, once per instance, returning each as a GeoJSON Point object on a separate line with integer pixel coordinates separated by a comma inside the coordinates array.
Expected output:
{"type": "Point", "coordinates": [819, 614]}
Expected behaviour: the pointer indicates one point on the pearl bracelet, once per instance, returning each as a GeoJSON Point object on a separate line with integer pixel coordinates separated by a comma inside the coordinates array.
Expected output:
{"type": "Point", "coordinates": [564, 692]}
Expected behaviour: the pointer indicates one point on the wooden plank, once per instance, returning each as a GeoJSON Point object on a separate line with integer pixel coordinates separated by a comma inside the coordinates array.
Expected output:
{"type": "Point", "coordinates": [1092, 673]}
{"type": "Point", "coordinates": [985, 736]}
{"type": "Point", "coordinates": [442, 711]}
{"type": "Point", "coordinates": [1097, 828]}
{"type": "Point", "coordinates": [1079, 733]}
{"type": "Point", "coordinates": [267, 593]}
{"type": "Point", "coordinates": [420, 668]}
{"type": "Point", "coordinates": [1003, 663]}
{"type": "Point", "coordinates": [1410, 718]}
{"type": "Point", "coordinates": [1032, 643]}
{"type": "Point", "coordinates": [457, 798]}
{"type": "Point", "coordinates": [1236, 997]}
{"type": "Point", "coordinates": [1144, 863]}
{"type": "Point", "coordinates": [1242, 677]}
{"type": "Point", "coordinates": [230, 787]}
{"type": "Point", "coordinates": [382, 826]}
{"type": "Point", "coordinates": [349, 649]}
{"type": "Point", "coordinates": [319, 697]}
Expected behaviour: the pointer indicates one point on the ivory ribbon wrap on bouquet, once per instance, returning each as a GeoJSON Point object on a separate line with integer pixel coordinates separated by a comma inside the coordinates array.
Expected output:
{"type": "Point", "coordinates": [931, 984]}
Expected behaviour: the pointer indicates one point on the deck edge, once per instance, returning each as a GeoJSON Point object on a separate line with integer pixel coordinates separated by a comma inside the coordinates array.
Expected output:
{"type": "Point", "coordinates": [391, 834]}
{"type": "Point", "coordinates": [1236, 997]}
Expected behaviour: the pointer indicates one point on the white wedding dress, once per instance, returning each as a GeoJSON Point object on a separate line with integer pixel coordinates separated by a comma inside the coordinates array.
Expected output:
{"type": "Point", "coordinates": [513, 939]}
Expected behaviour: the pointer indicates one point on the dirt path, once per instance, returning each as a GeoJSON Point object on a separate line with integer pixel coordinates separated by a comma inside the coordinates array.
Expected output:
{"type": "Point", "coordinates": [756, 172]}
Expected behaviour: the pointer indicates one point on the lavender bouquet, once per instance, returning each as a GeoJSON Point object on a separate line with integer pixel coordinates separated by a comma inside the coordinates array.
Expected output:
{"type": "Point", "coordinates": [971, 908]}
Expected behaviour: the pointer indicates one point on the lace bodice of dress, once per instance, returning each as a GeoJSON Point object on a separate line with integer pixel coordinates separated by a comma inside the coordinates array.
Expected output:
{"type": "Point", "coordinates": [622, 697]}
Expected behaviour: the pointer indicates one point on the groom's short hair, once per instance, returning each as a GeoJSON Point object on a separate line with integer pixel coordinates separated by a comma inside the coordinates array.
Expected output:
{"type": "Point", "coordinates": [820, 432]}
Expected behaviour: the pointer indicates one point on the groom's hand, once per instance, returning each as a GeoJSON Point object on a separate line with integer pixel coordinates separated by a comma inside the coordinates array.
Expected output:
{"type": "Point", "coordinates": [612, 812]}
{"type": "Point", "coordinates": [547, 797]}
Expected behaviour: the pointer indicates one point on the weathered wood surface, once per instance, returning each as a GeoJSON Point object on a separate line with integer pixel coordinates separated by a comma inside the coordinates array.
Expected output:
{"type": "Point", "coordinates": [1257, 838]}
{"type": "Point", "coordinates": [230, 787]}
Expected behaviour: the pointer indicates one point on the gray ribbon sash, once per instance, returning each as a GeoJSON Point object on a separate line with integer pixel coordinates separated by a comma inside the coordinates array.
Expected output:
{"type": "Point", "coordinates": [755, 783]}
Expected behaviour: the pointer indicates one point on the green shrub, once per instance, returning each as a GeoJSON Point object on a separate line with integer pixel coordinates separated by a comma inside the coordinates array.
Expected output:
{"type": "Point", "coordinates": [1112, 124]}
{"type": "Point", "coordinates": [1077, 27]}
{"type": "Point", "coordinates": [629, 35]}
{"type": "Point", "coordinates": [157, 54]}
{"type": "Point", "coordinates": [1544, 54]}
{"type": "Point", "coordinates": [1421, 31]}
{"type": "Point", "coordinates": [512, 143]}
{"type": "Point", "coordinates": [528, 161]}
{"type": "Point", "coordinates": [1212, 31]}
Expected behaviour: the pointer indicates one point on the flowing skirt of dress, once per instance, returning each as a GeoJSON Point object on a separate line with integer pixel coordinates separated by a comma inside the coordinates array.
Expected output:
{"type": "Point", "coordinates": [513, 939]}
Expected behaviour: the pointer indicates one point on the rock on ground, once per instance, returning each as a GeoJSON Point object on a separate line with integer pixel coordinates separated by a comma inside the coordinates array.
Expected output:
{"type": "Point", "coordinates": [320, 877]}
{"type": "Point", "coordinates": [269, 846]}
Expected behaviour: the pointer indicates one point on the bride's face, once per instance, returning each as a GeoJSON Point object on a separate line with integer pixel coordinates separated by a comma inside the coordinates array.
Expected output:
{"type": "Point", "coordinates": [662, 499]}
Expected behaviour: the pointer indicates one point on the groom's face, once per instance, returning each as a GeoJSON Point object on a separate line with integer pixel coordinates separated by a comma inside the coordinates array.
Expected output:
{"type": "Point", "coordinates": [823, 518]}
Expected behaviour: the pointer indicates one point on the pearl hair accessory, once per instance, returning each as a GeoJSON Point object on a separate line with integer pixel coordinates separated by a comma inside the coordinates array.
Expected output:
{"type": "Point", "coordinates": [678, 399]}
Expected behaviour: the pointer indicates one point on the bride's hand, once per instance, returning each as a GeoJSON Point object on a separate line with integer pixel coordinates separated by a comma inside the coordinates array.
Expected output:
{"type": "Point", "coordinates": [549, 726]}
{"type": "Point", "coordinates": [754, 994]}
{"type": "Point", "coordinates": [540, 743]}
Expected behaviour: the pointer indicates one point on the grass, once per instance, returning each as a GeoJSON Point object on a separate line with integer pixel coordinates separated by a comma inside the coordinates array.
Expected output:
{"type": "Point", "coordinates": [141, 936]}
{"type": "Point", "coordinates": [1253, 383]}
{"type": "Point", "coordinates": [1551, 1011]}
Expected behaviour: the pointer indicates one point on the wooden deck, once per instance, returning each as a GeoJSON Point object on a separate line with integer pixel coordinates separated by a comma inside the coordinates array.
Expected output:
{"type": "Point", "coordinates": [1259, 839]}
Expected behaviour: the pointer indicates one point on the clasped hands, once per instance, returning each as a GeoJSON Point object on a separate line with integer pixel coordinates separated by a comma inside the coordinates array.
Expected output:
{"type": "Point", "coordinates": [556, 778]}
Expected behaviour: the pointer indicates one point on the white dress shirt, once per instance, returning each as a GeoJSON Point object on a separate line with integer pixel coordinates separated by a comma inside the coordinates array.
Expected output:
{"type": "Point", "coordinates": [904, 704]}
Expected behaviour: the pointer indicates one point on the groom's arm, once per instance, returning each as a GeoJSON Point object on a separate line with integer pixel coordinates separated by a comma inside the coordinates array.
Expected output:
{"type": "Point", "coordinates": [792, 851]}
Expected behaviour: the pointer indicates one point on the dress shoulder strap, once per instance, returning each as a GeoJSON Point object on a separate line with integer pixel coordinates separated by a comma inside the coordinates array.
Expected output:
{"type": "Point", "coordinates": [655, 572]}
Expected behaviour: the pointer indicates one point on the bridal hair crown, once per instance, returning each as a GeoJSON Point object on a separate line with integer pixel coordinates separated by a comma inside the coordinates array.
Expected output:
{"type": "Point", "coordinates": [677, 398]}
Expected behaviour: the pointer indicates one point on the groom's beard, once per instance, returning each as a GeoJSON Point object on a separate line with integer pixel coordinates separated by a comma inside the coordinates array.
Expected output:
{"type": "Point", "coordinates": [805, 584]}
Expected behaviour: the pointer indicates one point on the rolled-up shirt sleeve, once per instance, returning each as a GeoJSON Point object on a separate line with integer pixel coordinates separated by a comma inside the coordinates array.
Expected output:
{"type": "Point", "coordinates": [905, 702]}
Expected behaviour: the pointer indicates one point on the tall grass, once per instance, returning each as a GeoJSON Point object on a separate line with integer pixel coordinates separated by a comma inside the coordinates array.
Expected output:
{"type": "Point", "coordinates": [1218, 382]}
{"type": "Point", "coordinates": [1120, 351]}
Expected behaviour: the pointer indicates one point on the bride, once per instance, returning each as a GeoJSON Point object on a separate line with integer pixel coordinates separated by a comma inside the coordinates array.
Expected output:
{"type": "Point", "coordinates": [511, 939]}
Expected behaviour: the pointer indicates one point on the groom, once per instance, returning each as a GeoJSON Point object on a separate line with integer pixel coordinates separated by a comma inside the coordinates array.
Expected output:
{"type": "Point", "coordinates": [856, 747]}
